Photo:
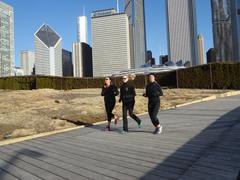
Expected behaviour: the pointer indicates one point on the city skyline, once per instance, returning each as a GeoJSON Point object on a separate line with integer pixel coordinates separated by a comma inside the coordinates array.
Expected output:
{"type": "Point", "coordinates": [65, 23]}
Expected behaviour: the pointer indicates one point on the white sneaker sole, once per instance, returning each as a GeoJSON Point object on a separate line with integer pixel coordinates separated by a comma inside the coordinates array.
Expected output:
{"type": "Point", "coordinates": [160, 130]}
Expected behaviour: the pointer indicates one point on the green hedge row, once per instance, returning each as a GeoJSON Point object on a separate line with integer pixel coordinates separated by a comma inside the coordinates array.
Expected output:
{"type": "Point", "coordinates": [68, 83]}
{"type": "Point", "coordinates": [167, 79]}
{"type": "Point", "coordinates": [41, 82]}
{"type": "Point", "coordinates": [226, 76]}
{"type": "Point", "coordinates": [195, 77]}
{"type": "Point", "coordinates": [211, 76]}
{"type": "Point", "coordinates": [18, 83]}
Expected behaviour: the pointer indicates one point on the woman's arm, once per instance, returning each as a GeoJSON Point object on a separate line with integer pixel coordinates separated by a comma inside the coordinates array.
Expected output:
{"type": "Point", "coordinates": [120, 100]}
{"type": "Point", "coordinates": [116, 92]}
{"type": "Point", "coordinates": [160, 91]}
{"type": "Point", "coordinates": [133, 92]}
{"type": "Point", "coordinates": [103, 91]}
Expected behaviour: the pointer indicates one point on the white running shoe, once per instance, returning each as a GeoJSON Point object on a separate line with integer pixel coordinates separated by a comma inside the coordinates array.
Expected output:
{"type": "Point", "coordinates": [158, 130]}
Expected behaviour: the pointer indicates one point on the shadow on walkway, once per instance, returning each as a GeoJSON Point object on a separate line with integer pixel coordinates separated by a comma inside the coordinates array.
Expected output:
{"type": "Point", "coordinates": [205, 145]}
{"type": "Point", "coordinates": [7, 163]}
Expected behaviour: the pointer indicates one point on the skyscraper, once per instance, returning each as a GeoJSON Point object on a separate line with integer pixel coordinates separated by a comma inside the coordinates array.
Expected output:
{"type": "Point", "coordinates": [82, 29]}
{"type": "Point", "coordinates": [67, 65]}
{"type": "Point", "coordinates": [6, 39]}
{"type": "Point", "coordinates": [110, 35]}
{"type": "Point", "coordinates": [77, 60]}
{"type": "Point", "coordinates": [48, 52]}
{"type": "Point", "coordinates": [81, 51]}
{"type": "Point", "coordinates": [82, 60]}
{"type": "Point", "coordinates": [163, 59]}
{"type": "Point", "coordinates": [150, 59]}
{"type": "Point", "coordinates": [135, 10]}
{"type": "Point", "coordinates": [226, 29]}
{"type": "Point", "coordinates": [211, 55]}
{"type": "Point", "coordinates": [27, 62]}
{"type": "Point", "coordinates": [201, 51]}
{"type": "Point", "coordinates": [182, 31]}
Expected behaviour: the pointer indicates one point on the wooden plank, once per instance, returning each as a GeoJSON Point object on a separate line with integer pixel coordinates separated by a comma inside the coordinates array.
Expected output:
{"type": "Point", "coordinates": [69, 169]}
{"type": "Point", "coordinates": [26, 162]}
{"type": "Point", "coordinates": [28, 167]}
{"type": "Point", "coordinates": [4, 175]}
{"type": "Point", "coordinates": [112, 157]}
{"type": "Point", "coordinates": [15, 171]}
{"type": "Point", "coordinates": [200, 141]}
{"type": "Point", "coordinates": [96, 149]}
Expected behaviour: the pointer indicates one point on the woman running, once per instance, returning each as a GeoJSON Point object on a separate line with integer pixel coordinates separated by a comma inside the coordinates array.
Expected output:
{"type": "Point", "coordinates": [109, 91]}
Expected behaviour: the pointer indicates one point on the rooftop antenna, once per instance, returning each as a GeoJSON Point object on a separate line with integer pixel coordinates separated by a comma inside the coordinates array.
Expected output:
{"type": "Point", "coordinates": [117, 6]}
{"type": "Point", "coordinates": [83, 10]}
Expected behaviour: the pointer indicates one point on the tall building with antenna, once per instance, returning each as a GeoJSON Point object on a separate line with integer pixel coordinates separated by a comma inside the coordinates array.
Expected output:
{"type": "Point", "coordinates": [82, 29]}
{"type": "Point", "coordinates": [82, 35]}
{"type": "Point", "coordinates": [117, 6]}
{"type": "Point", "coordinates": [81, 51]}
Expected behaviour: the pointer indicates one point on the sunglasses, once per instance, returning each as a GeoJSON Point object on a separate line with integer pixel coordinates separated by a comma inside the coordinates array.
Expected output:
{"type": "Point", "coordinates": [124, 78]}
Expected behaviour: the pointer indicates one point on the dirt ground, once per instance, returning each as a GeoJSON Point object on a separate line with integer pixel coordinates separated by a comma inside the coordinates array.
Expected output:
{"type": "Point", "coordinates": [24, 113]}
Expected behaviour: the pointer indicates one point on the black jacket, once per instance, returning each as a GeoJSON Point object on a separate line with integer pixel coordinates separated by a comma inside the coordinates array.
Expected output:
{"type": "Point", "coordinates": [127, 93]}
{"type": "Point", "coordinates": [153, 90]}
{"type": "Point", "coordinates": [109, 93]}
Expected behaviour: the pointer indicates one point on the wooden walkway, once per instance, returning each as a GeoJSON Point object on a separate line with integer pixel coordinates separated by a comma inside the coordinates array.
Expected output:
{"type": "Point", "coordinates": [200, 141]}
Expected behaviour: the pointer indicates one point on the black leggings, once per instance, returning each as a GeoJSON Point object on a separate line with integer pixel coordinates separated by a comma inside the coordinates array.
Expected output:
{"type": "Point", "coordinates": [153, 109]}
{"type": "Point", "coordinates": [129, 107]}
{"type": "Point", "coordinates": [109, 106]}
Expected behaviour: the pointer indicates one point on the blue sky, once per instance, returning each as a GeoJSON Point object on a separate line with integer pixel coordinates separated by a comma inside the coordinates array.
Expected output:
{"type": "Point", "coordinates": [61, 16]}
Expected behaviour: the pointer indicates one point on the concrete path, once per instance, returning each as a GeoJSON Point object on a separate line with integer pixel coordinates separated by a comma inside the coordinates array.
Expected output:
{"type": "Point", "coordinates": [199, 141]}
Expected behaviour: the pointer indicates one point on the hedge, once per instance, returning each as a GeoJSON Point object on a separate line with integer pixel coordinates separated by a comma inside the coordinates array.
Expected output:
{"type": "Point", "coordinates": [210, 76]}
{"type": "Point", "coordinates": [194, 77]}
{"type": "Point", "coordinates": [95, 82]}
{"type": "Point", "coordinates": [167, 79]}
{"type": "Point", "coordinates": [226, 76]}
{"type": "Point", "coordinates": [18, 83]}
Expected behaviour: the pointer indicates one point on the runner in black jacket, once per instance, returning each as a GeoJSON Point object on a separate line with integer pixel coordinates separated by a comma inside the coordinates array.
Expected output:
{"type": "Point", "coordinates": [109, 91]}
{"type": "Point", "coordinates": [127, 97]}
{"type": "Point", "coordinates": [153, 92]}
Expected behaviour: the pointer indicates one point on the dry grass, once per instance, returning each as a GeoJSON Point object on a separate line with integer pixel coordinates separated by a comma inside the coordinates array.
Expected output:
{"type": "Point", "coordinates": [25, 113]}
